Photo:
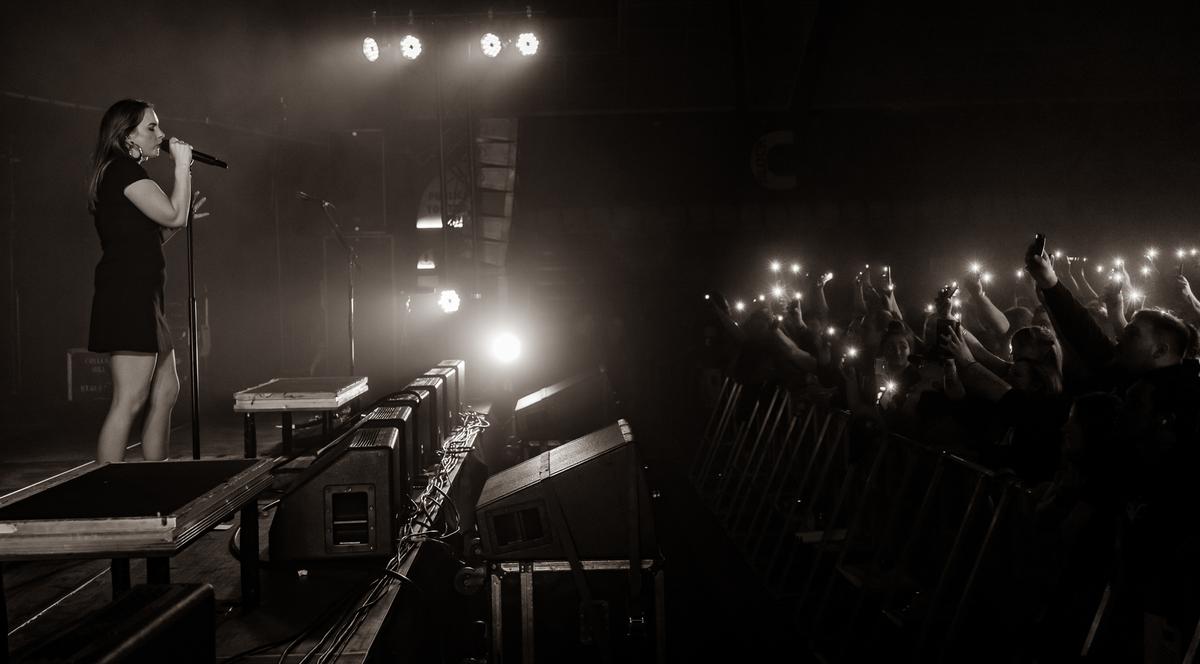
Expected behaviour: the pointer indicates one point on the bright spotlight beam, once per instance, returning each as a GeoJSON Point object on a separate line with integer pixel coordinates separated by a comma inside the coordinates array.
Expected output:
{"type": "Point", "coordinates": [490, 45]}
{"type": "Point", "coordinates": [506, 347]}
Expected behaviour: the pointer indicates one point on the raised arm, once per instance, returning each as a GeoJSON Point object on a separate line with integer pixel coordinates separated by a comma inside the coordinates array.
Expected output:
{"type": "Point", "coordinates": [989, 314]}
{"type": "Point", "coordinates": [146, 195]}
{"type": "Point", "coordinates": [820, 307]}
{"type": "Point", "coordinates": [791, 353]}
{"type": "Point", "coordinates": [1191, 304]}
{"type": "Point", "coordinates": [1071, 319]}
{"type": "Point", "coordinates": [976, 378]}
{"type": "Point", "coordinates": [1085, 288]}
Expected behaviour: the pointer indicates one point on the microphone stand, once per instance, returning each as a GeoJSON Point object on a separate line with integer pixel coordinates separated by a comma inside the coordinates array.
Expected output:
{"type": "Point", "coordinates": [193, 341]}
{"type": "Point", "coordinates": [352, 258]}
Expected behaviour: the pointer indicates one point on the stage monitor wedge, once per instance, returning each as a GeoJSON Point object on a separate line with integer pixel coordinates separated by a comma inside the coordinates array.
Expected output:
{"type": "Point", "coordinates": [424, 422]}
{"type": "Point", "coordinates": [588, 480]}
{"type": "Point", "coordinates": [399, 416]}
{"type": "Point", "coordinates": [567, 409]}
{"type": "Point", "coordinates": [435, 389]}
{"type": "Point", "coordinates": [460, 371]}
{"type": "Point", "coordinates": [452, 402]}
{"type": "Point", "coordinates": [343, 505]}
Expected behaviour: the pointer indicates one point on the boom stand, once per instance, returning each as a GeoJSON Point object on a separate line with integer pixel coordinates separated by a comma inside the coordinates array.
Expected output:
{"type": "Point", "coordinates": [352, 263]}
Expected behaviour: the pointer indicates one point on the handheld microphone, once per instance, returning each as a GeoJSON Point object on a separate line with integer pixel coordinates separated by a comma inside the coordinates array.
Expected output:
{"type": "Point", "coordinates": [199, 156]}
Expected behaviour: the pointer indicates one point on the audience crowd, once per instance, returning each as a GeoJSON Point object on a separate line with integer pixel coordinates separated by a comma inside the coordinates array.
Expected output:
{"type": "Point", "coordinates": [1086, 395]}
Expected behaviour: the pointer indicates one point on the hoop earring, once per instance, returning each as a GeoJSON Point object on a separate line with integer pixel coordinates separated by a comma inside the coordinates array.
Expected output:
{"type": "Point", "coordinates": [135, 151]}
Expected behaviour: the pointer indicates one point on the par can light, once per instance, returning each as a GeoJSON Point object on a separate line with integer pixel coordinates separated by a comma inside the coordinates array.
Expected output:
{"type": "Point", "coordinates": [370, 49]}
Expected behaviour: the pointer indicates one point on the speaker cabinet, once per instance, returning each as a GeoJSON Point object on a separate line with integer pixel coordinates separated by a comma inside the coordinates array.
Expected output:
{"type": "Point", "coordinates": [406, 462]}
{"type": "Point", "coordinates": [590, 477]}
{"type": "Point", "coordinates": [435, 393]}
{"type": "Point", "coordinates": [424, 423]}
{"type": "Point", "coordinates": [567, 409]}
{"type": "Point", "coordinates": [452, 402]}
{"type": "Point", "coordinates": [460, 374]}
{"type": "Point", "coordinates": [345, 505]}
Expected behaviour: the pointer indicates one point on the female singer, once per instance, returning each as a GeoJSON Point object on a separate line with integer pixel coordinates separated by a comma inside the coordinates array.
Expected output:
{"type": "Point", "coordinates": [134, 218]}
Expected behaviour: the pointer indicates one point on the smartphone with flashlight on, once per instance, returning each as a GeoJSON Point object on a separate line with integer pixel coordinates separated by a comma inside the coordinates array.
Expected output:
{"type": "Point", "coordinates": [1039, 244]}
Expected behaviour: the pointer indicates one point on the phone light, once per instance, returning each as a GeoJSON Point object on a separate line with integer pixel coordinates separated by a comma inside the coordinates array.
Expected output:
{"type": "Point", "coordinates": [851, 352]}
{"type": "Point", "coordinates": [1137, 295]}
{"type": "Point", "coordinates": [777, 291]}
{"type": "Point", "coordinates": [1118, 262]}
{"type": "Point", "coordinates": [760, 297]}
{"type": "Point", "coordinates": [739, 305]}
{"type": "Point", "coordinates": [929, 308]}
{"type": "Point", "coordinates": [987, 277]}
{"type": "Point", "coordinates": [975, 268]}
{"type": "Point", "coordinates": [1058, 253]}
{"type": "Point", "coordinates": [1020, 274]}
{"type": "Point", "coordinates": [707, 297]}
{"type": "Point", "coordinates": [1180, 254]}
{"type": "Point", "coordinates": [828, 276]}
{"type": "Point", "coordinates": [795, 268]}
{"type": "Point", "coordinates": [1152, 253]}
{"type": "Point", "coordinates": [831, 330]}
{"type": "Point", "coordinates": [1099, 269]}
{"type": "Point", "coordinates": [798, 296]}
{"type": "Point", "coordinates": [1146, 270]}
{"type": "Point", "coordinates": [775, 266]}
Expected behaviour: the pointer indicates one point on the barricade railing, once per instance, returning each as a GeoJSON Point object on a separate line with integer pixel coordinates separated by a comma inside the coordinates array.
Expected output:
{"type": "Point", "coordinates": [843, 517]}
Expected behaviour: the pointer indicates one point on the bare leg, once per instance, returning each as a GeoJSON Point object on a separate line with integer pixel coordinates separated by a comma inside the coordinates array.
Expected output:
{"type": "Point", "coordinates": [131, 374]}
{"type": "Point", "coordinates": [156, 432]}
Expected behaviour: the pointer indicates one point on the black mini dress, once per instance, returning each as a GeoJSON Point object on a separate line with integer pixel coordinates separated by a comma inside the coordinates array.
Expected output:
{"type": "Point", "coordinates": [127, 306]}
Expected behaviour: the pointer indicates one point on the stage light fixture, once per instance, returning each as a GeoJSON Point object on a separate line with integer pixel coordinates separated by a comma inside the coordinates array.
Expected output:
{"type": "Point", "coordinates": [527, 43]}
{"type": "Point", "coordinates": [410, 47]}
{"type": "Point", "coordinates": [506, 347]}
{"type": "Point", "coordinates": [490, 45]}
{"type": "Point", "coordinates": [370, 49]}
{"type": "Point", "coordinates": [449, 301]}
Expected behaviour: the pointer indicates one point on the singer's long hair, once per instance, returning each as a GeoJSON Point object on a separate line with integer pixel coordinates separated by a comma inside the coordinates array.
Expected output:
{"type": "Point", "coordinates": [120, 120]}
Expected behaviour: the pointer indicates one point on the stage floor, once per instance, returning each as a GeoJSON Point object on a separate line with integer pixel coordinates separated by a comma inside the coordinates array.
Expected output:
{"type": "Point", "coordinates": [46, 596]}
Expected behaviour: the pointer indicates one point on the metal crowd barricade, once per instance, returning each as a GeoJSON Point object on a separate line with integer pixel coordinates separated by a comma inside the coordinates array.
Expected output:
{"type": "Point", "coordinates": [710, 449]}
{"type": "Point", "coordinates": [758, 452]}
{"type": "Point", "coordinates": [738, 464]}
{"type": "Point", "coordinates": [715, 420]}
{"type": "Point", "coordinates": [891, 520]}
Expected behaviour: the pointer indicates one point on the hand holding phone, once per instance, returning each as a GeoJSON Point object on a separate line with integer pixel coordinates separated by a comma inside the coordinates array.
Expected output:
{"type": "Point", "coordinates": [1039, 244]}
